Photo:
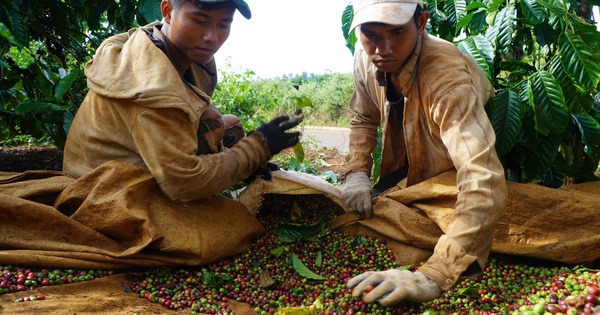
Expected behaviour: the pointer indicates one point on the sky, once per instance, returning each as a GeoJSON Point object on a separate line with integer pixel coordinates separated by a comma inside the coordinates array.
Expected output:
{"type": "Point", "coordinates": [288, 37]}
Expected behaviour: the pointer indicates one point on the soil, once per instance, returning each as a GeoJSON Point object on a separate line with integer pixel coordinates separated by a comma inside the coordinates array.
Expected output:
{"type": "Point", "coordinates": [22, 158]}
{"type": "Point", "coordinates": [326, 159]}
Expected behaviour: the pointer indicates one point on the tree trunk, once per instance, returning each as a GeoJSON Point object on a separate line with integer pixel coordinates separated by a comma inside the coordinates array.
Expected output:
{"type": "Point", "coordinates": [585, 11]}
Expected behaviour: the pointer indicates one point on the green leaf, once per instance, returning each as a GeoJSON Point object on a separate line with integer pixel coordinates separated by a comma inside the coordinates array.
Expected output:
{"type": "Point", "coordinates": [548, 101]}
{"type": "Point", "coordinates": [319, 259]}
{"type": "Point", "coordinates": [150, 10]}
{"type": "Point", "coordinates": [360, 240]}
{"type": "Point", "coordinates": [350, 37]}
{"type": "Point", "coordinates": [493, 6]}
{"type": "Point", "coordinates": [302, 101]}
{"type": "Point", "coordinates": [68, 121]}
{"type": "Point", "coordinates": [545, 35]}
{"type": "Point", "coordinates": [538, 161]}
{"type": "Point", "coordinates": [468, 291]}
{"type": "Point", "coordinates": [65, 84]}
{"type": "Point", "coordinates": [214, 280]}
{"type": "Point", "coordinates": [94, 20]}
{"type": "Point", "coordinates": [463, 22]}
{"type": "Point", "coordinates": [6, 34]}
{"type": "Point", "coordinates": [277, 252]}
{"type": "Point", "coordinates": [506, 24]}
{"type": "Point", "coordinates": [588, 33]}
{"type": "Point", "coordinates": [469, 47]}
{"type": "Point", "coordinates": [302, 270]}
{"type": "Point", "coordinates": [533, 11]}
{"type": "Point", "coordinates": [590, 134]}
{"type": "Point", "coordinates": [299, 152]}
{"type": "Point", "coordinates": [516, 66]}
{"type": "Point", "coordinates": [478, 23]}
{"type": "Point", "coordinates": [434, 13]}
{"type": "Point", "coordinates": [41, 81]}
{"type": "Point", "coordinates": [34, 107]}
{"type": "Point", "coordinates": [296, 231]}
{"type": "Point", "coordinates": [556, 7]}
{"type": "Point", "coordinates": [554, 177]}
{"type": "Point", "coordinates": [329, 176]}
{"type": "Point", "coordinates": [475, 6]}
{"type": "Point", "coordinates": [476, 18]}
{"type": "Point", "coordinates": [456, 10]}
{"type": "Point", "coordinates": [18, 28]}
{"type": "Point", "coordinates": [505, 115]}
{"type": "Point", "coordinates": [578, 101]}
{"type": "Point", "coordinates": [578, 59]}
{"type": "Point", "coordinates": [127, 11]}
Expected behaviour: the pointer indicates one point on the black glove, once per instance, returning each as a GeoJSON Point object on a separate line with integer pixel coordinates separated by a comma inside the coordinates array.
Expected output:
{"type": "Point", "coordinates": [263, 171]}
{"type": "Point", "coordinates": [277, 137]}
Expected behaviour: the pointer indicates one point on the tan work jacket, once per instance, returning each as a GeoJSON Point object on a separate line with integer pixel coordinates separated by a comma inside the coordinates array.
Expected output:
{"type": "Point", "coordinates": [445, 126]}
{"type": "Point", "coordinates": [140, 111]}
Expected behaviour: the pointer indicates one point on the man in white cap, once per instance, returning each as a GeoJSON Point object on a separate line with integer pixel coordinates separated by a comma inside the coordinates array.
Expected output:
{"type": "Point", "coordinates": [428, 97]}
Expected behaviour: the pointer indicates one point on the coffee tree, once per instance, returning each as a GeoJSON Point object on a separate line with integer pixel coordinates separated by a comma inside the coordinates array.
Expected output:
{"type": "Point", "coordinates": [542, 57]}
{"type": "Point", "coordinates": [43, 48]}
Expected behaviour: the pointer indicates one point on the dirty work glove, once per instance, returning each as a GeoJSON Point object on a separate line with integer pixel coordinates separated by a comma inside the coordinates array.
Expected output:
{"type": "Point", "coordinates": [393, 286]}
{"type": "Point", "coordinates": [276, 135]}
{"type": "Point", "coordinates": [263, 171]}
{"type": "Point", "coordinates": [357, 194]}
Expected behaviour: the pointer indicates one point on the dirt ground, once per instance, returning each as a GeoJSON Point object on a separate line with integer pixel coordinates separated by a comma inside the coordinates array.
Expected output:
{"type": "Point", "coordinates": [20, 159]}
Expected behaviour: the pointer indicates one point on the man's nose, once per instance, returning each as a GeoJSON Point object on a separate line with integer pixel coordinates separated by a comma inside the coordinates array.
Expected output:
{"type": "Point", "coordinates": [210, 35]}
{"type": "Point", "coordinates": [384, 47]}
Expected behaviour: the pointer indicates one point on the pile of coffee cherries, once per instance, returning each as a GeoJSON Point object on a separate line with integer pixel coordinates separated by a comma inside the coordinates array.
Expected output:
{"type": "Point", "coordinates": [300, 262]}
{"type": "Point", "coordinates": [14, 279]}
{"type": "Point", "coordinates": [266, 278]}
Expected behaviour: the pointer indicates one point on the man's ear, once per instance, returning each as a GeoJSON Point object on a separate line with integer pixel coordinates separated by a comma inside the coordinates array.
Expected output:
{"type": "Point", "coordinates": [423, 21]}
{"type": "Point", "coordinates": [166, 9]}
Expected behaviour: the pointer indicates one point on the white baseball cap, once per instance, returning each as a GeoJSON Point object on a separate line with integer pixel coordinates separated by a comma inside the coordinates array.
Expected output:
{"type": "Point", "coordinates": [394, 12]}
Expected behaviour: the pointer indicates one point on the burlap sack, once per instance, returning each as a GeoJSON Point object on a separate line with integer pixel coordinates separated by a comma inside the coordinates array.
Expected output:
{"type": "Point", "coordinates": [288, 183]}
{"type": "Point", "coordinates": [114, 217]}
{"type": "Point", "coordinates": [552, 224]}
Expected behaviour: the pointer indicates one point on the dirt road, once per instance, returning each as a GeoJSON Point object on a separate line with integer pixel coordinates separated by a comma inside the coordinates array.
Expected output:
{"type": "Point", "coordinates": [328, 137]}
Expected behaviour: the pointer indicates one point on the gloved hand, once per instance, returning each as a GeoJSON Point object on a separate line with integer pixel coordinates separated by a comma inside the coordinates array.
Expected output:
{"type": "Point", "coordinates": [357, 194]}
{"type": "Point", "coordinates": [263, 171]}
{"type": "Point", "coordinates": [276, 135]}
{"type": "Point", "coordinates": [393, 286]}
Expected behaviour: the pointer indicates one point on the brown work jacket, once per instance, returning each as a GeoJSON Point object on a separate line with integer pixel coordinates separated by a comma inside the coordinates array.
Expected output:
{"type": "Point", "coordinates": [140, 111]}
{"type": "Point", "coordinates": [445, 126]}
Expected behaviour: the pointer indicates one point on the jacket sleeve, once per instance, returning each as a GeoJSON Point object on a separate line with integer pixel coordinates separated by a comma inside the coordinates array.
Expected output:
{"type": "Point", "coordinates": [167, 142]}
{"type": "Point", "coordinates": [469, 138]}
{"type": "Point", "coordinates": [365, 119]}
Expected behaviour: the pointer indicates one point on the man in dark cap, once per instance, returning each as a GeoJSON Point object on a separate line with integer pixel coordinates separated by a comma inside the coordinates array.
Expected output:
{"type": "Point", "coordinates": [149, 105]}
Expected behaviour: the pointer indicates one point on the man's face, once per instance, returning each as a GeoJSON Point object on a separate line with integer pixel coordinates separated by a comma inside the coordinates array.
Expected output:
{"type": "Point", "coordinates": [389, 46]}
{"type": "Point", "coordinates": [198, 33]}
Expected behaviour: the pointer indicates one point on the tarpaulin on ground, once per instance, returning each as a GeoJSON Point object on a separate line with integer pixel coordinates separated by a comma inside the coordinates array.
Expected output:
{"type": "Point", "coordinates": [114, 217]}
{"type": "Point", "coordinates": [539, 222]}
